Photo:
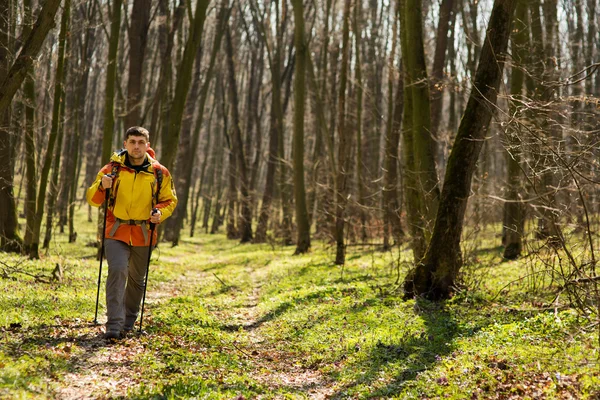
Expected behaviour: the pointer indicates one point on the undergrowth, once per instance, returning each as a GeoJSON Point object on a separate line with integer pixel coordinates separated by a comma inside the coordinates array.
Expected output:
{"type": "Point", "coordinates": [225, 320]}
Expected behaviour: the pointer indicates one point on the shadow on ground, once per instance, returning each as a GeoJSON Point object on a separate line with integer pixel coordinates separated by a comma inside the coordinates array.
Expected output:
{"type": "Point", "coordinates": [411, 355]}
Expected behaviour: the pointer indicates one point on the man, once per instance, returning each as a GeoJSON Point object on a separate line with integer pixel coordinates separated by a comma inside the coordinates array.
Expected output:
{"type": "Point", "coordinates": [139, 185]}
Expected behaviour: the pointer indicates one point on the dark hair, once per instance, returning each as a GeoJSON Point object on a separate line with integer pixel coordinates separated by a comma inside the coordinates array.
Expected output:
{"type": "Point", "coordinates": [137, 131]}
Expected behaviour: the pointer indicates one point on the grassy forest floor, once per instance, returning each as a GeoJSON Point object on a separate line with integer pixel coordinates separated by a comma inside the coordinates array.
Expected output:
{"type": "Point", "coordinates": [232, 321]}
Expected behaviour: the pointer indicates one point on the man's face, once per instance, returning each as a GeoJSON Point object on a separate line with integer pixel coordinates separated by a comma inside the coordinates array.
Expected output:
{"type": "Point", "coordinates": [136, 147]}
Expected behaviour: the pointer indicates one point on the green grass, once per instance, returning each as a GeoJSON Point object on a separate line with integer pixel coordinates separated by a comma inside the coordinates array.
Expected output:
{"type": "Point", "coordinates": [225, 320]}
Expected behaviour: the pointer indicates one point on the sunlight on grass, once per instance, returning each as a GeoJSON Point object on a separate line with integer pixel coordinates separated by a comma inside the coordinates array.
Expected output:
{"type": "Point", "coordinates": [226, 320]}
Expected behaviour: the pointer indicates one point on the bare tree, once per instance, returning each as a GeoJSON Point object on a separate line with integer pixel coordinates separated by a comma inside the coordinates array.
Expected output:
{"type": "Point", "coordinates": [54, 131]}
{"type": "Point", "coordinates": [138, 37]}
{"type": "Point", "coordinates": [10, 81]}
{"type": "Point", "coordinates": [172, 126]}
{"type": "Point", "coordinates": [435, 276]}
{"type": "Point", "coordinates": [111, 81]}
{"type": "Point", "coordinates": [514, 219]}
{"type": "Point", "coordinates": [238, 149]}
{"type": "Point", "coordinates": [303, 226]}
{"type": "Point", "coordinates": [420, 181]}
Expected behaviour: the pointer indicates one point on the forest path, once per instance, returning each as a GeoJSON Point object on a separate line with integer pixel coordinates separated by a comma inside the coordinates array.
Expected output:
{"type": "Point", "coordinates": [277, 368]}
{"type": "Point", "coordinates": [102, 370]}
{"type": "Point", "coordinates": [107, 369]}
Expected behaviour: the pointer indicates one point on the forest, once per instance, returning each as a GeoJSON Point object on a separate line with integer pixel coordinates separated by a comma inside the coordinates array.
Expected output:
{"type": "Point", "coordinates": [422, 157]}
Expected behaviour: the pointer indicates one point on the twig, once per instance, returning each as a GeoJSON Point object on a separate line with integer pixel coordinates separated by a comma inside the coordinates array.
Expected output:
{"type": "Point", "coordinates": [220, 280]}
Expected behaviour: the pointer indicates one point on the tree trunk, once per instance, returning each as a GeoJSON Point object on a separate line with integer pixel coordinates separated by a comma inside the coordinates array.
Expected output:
{"type": "Point", "coordinates": [392, 205]}
{"type": "Point", "coordinates": [362, 200]}
{"type": "Point", "coordinates": [218, 175]}
{"type": "Point", "coordinates": [276, 126]}
{"type": "Point", "coordinates": [435, 276]}
{"type": "Point", "coordinates": [12, 81]}
{"type": "Point", "coordinates": [392, 136]}
{"type": "Point", "coordinates": [165, 48]}
{"type": "Point", "coordinates": [87, 51]}
{"type": "Point", "coordinates": [214, 162]}
{"type": "Point", "coordinates": [172, 129]}
{"type": "Point", "coordinates": [30, 153]}
{"type": "Point", "coordinates": [302, 224]}
{"type": "Point", "coordinates": [545, 53]}
{"type": "Point", "coordinates": [9, 238]}
{"type": "Point", "coordinates": [111, 78]}
{"type": "Point", "coordinates": [56, 168]}
{"type": "Point", "coordinates": [344, 144]}
{"type": "Point", "coordinates": [421, 183]}
{"type": "Point", "coordinates": [514, 221]}
{"type": "Point", "coordinates": [285, 196]}
{"type": "Point", "coordinates": [189, 143]}
{"type": "Point", "coordinates": [54, 131]}
{"type": "Point", "coordinates": [238, 143]}
{"type": "Point", "coordinates": [138, 37]}
{"type": "Point", "coordinates": [436, 84]}
{"type": "Point", "coordinates": [323, 171]}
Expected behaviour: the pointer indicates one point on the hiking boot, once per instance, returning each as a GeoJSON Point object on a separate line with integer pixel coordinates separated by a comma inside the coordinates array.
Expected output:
{"type": "Point", "coordinates": [126, 331]}
{"type": "Point", "coordinates": [112, 335]}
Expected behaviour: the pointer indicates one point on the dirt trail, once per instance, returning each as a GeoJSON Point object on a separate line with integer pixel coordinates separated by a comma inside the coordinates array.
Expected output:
{"type": "Point", "coordinates": [278, 370]}
{"type": "Point", "coordinates": [106, 370]}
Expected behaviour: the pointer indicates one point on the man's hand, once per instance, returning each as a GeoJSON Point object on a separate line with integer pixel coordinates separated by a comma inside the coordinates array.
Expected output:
{"type": "Point", "coordinates": [155, 216]}
{"type": "Point", "coordinates": [107, 181]}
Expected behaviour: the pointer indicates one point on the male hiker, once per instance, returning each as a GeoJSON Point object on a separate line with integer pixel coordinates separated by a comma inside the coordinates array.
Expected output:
{"type": "Point", "coordinates": [141, 192]}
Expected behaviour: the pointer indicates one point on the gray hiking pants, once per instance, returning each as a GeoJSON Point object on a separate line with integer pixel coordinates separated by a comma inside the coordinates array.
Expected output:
{"type": "Point", "coordinates": [125, 283]}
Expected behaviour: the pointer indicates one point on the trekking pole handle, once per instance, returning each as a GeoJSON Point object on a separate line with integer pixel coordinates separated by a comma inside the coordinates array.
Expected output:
{"type": "Point", "coordinates": [154, 211]}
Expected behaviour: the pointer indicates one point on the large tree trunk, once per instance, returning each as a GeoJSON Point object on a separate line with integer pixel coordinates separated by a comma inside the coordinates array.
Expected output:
{"type": "Point", "coordinates": [514, 219]}
{"type": "Point", "coordinates": [421, 182]}
{"type": "Point", "coordinates": [302, 224]}
{"type": "Point", "coordinates": [435, 276]}
{"type": "Point", "coordinates": [138, 37]}
{"type": "Point", "coordinates": [172, 128]}
{"type": "Point", "coordinates": [54, 131]}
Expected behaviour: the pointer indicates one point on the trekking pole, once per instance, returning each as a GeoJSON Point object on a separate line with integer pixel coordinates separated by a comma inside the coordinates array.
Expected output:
{"type": "Point", "coordinates": [152, 227]}
{"type": "Point", "coordinates": [101, 254]}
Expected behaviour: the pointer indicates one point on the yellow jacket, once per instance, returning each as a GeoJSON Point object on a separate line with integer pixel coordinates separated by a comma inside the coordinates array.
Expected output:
{"type": "Point", "coordinates": [132, 198]}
